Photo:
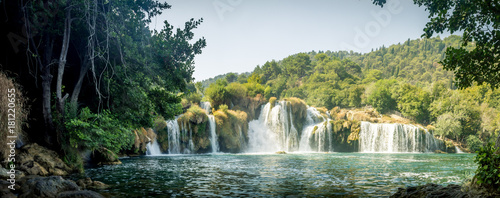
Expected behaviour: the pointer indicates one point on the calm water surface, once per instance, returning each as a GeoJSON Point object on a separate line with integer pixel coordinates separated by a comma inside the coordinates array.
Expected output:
{"type": "Point", "coordinates": [271, 175]}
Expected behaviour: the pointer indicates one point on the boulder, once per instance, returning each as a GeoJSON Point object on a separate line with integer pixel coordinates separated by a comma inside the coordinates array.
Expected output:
{"type": "Point", "coordinates": [46, 187]}
{"type": "Point", "coordinates": [79, 194]}
{"type": "Point", "coordinates": [104, 156]}
{"type": "Point", "coordinates": [5, 192]}
{"type": "Point", "coordinates": [38, 160]}
{"type": "Point", "coordinates": [87, 183]}
{"type": "Point", "coordinates": [431, 191]}
{"type": "Point", "coordinates": [4, 175]}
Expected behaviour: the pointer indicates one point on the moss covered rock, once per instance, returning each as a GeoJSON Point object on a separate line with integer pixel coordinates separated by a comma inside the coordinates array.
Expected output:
{"type": "Point", "coordinates": [232, 130]}
{"type": "Point", "coordinates": [104, 156]}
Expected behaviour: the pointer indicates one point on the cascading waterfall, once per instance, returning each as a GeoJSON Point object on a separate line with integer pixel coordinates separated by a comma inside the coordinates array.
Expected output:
{"type": "Point", "coordinates": [396, 138]}
{"type": "Point", "coordinates": [316, 127]}
{"type": "Point", "coordinates": [273, 130]}
{"type": "Point", "coordinates": [153, 148]}
{"type": "Point", "coordinates": [458, 150]}
{"type": "Point", "coordinates": [174, 137]}
{"type": "Point", "coordinates": [213, 127]}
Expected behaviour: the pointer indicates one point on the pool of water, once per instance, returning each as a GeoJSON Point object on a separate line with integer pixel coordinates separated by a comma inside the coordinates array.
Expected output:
{"type": "Point", "coordinates": [302, 174]}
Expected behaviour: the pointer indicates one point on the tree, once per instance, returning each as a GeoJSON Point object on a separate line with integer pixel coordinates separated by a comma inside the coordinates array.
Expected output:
{"type": "Point", "coordinates": [231, 77]}
{"type": "Point", "coordinates": [448, 125]}
{"type": "Point", "coordinates": [481, 31]}
{"type": "Point", "coordinates": [270, 70]}
{"type": "Point", "coordinates": [217, 93]}
{"type": "Point", "coordinates": [297, 65]}
{"type": "Point", "coordinates": [381, 97]}
{"type": "Point", "coordinates": [413, 102]}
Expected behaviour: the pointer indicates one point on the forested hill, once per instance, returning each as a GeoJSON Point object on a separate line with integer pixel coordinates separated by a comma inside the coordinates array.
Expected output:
{"type": "Point", "coordinates": [404, 78]}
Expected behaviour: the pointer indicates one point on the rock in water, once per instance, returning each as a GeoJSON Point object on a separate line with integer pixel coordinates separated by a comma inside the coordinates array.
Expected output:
{"type": "Point", "coordinates": [46, 187]}
{"type": "Point", "coordinates": [87, 183]}
{"type": "Point", "coordinates": [104, 156]}
{"type": "Point", "coordinates": [281, 152]}
{"type": "Point", "coordinates": [79, 194]}
{"type": "Point", "coordinates": [431, 191]}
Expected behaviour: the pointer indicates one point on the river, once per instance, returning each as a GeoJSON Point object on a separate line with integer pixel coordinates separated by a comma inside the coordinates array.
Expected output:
{"type": "Point", "coordinates": [272, 175]}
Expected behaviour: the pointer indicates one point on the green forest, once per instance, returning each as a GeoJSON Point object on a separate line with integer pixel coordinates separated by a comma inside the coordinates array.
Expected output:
{"type": "Point", "coordinates": [92, 80]}
{"type": "Point", "coordinates": [404, 79]}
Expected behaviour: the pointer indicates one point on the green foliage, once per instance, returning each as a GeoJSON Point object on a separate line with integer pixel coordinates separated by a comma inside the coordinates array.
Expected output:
{"type": "Point", "coordinates": [413, 102]}
{"type": "Point", "coordinates": [237, 90]}
{"type": "Point", "coordinates": [297, 65]}
{"type": "Point", "coordinates": [381, 97]}
{"type": "Point", "coordinates": [168, 104]}
{"type": "Point", "coordinates": [254, 88]}
{"type": "Point", "coordinates": [448, 125]}
{"type": "Point", "coordinates": [217, 93]}
{"type": "Point", "coordinates": [474, 143]}
{"type": "Point", "coordinates": [488, 171]}
{"type": "Point", "coordinates": [270, 70]}
{"type": "Point", "coordinates": [223, 108]}
{"type": "Point", "coordinates": [92, 131]}
{"type": "Point", "coordinates": [481, 29]}
{"type": "Point", "coordinates": [231, 77]}
{"type": "Point", "coordinates": [355, 96]}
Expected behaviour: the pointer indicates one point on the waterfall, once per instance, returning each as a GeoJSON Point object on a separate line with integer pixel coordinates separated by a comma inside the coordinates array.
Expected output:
{"type": "Point", "coordinates": [213, 127]}
{"type": "Point", "coordinates": [458, 150]}
{"type": "Point", "coordinates": [273, 130]}
{"type": "Point", "coordinates": [318, 129]}
{"type": "Point", "coordinates": [174, 137]}
{"type": "Point", "coordinates": [206, 106]}
{"type": "Point", "coordinates": [153, 148]}
{"type": "Point", "coordinates": [396, 138]}
{"type": "Point", "coordinates": [213, 134]}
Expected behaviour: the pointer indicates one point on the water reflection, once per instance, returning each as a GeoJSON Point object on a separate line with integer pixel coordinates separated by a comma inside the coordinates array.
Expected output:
{"type": "Point", "coordinates": [312, 174]}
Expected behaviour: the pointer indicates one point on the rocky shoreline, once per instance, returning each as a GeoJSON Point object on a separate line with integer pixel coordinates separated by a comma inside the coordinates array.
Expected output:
{"type": "Point", "coordinates": [431, 190]}
{"type": "Point", "coordinates": [38, 172]}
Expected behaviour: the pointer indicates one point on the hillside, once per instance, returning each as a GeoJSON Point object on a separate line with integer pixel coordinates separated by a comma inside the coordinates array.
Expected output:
{"type": "Point", "coordinates": [404, 79]}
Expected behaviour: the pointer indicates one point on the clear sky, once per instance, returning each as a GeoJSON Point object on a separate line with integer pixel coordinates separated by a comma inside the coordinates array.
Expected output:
{"type": "Point", "coordinates": [242, 34]}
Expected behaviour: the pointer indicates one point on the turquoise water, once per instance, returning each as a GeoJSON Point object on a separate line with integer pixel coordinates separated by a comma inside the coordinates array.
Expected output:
{"type": "Point", "coordinates": [312, 174]}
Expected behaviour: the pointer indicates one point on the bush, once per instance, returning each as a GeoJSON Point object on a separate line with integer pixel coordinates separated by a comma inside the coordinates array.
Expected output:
{"type": "Point", "coordinates": [488, 172]}
{"type": "Point", "coordinates": [236, 90]}
{"type": "Point", "coordinates": [223, 108]}
{"type": "Point", "coordinates": [91, 131]}
{"type": "Point", "coordinates": [254, 88]}
{"type": "Point", "coordinates": [217, 93]}
{"type": "Point", "coordinates": [195, 114]}
{"type": "Point", "coordinates": [194, 98]}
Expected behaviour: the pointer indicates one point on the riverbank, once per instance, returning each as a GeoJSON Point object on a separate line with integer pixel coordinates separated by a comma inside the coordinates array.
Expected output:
{"type": "Point", "coordinates": [432, 190]}
{"type": "Point", "coordinates": [39, 172]}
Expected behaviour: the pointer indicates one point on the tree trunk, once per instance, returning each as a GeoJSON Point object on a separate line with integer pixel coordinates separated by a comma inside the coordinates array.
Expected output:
{"type": "Point", "coordinates": [78, 86]}
{"type": "Point", "coordinates": [46, 82]}
{"type": "Point", "coordinates": [62, 62]}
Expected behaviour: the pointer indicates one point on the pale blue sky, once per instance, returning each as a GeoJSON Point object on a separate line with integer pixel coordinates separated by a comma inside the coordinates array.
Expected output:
{"type": "Point", "coordinates": [242, 34]}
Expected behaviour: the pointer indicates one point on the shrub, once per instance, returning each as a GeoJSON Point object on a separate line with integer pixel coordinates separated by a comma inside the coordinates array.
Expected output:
{"type": "Point", "coordinates": [194, 98]}
{"type": "Point", "coordinates": [223, 108]}
{"type": "Point", "coordinates": [91, 131]}
{"type": "Point", "coordinates": [195, 114]}
{"type": "Point", "coordinates": [159, 123]}
{"type": "Point", "coordinates": [488, 172]}
{"type": "Point", "coordinates": [236, 90]}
